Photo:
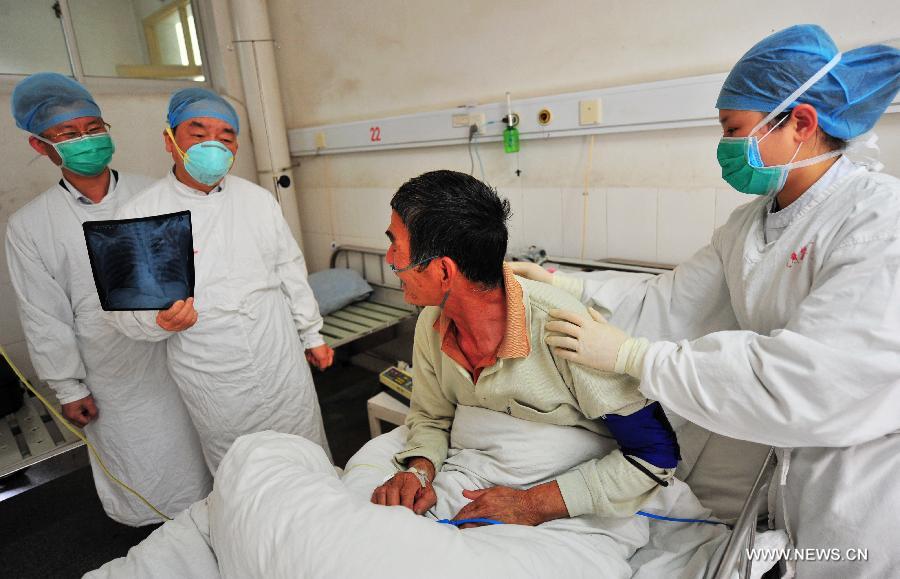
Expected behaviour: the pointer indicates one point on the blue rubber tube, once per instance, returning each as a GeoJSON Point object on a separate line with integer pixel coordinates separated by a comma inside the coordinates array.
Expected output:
{"type": "Point", "coordinates": [466, 521]}
{"type": "Point", "coordinates": [676, 520]}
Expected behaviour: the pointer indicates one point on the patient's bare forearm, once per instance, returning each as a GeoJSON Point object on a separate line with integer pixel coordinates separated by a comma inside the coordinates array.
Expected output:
{"type": "Point", "coordinates": [548, 501]}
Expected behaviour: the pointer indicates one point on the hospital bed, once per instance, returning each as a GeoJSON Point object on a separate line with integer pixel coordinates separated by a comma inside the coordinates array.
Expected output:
{"type": "Point", "coordinates": [383, 309]}
{"type": "Point", "coordinates": [32, 435]}
{"type": "Point", "coordinates": [186, 541]}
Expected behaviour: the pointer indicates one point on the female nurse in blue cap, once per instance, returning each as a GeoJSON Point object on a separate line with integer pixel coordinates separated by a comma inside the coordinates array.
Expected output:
{"type": "Point", "coordinates": [785, 330]}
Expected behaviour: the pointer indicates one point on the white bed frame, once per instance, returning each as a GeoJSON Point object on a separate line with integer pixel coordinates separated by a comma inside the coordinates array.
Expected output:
{"type": "Point", "coordinates": [385, 308]}
{"type": "Point", "coordinates": [32, 435]}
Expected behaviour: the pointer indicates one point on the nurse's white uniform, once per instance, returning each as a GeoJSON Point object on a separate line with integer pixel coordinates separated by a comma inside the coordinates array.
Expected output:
{"type": "Point", "coordinates": [785, 331]}
{"type": "Point", "coordinates": [143, 430]}
{"type": "Point", "coordinates": [241, 368]}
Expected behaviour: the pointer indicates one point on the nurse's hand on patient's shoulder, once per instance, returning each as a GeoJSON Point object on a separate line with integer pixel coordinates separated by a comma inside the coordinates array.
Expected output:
{"type": "Point", "coordinates": [592, 341]}
{"type": "Point", "coordinates": [81, 412]}
{"type": "Point", "coordinates": [405, 488]}
{"type": "Point", "coordinates": [531, 507]}
{"type": "Point", "coordinates": [179, 317]}
{"type": "Point", "coordinates": [321, 356]}
{"type": "Point", "coordinates": [530, 271]}
{"type": "Point", "coordinates": [588, 340]}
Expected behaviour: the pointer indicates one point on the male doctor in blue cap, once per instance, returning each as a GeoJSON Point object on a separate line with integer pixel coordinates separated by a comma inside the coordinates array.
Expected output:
{"type": "Point", "coordinates": [117, 389]}
{"type": "Point", "coordinates": [234, 348]}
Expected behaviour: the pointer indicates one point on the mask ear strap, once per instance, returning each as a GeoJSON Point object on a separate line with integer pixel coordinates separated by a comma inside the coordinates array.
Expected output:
{"type": "Point", "coordinates": [813, 160]}
{"type": "Point", "coordinates": [177, 148]}
{"type": "Point", "coordinates": [43, 140]}
{"type": "Point", "coordinates": [763, 138]}
{"type": "Point", "coordinates": [802, 89]}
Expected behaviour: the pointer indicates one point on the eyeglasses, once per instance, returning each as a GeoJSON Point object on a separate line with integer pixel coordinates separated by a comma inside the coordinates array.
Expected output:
{"type": "Point", "coordinates": [412, 265]}
{"type": "Point", "coordinates": [97, 129]}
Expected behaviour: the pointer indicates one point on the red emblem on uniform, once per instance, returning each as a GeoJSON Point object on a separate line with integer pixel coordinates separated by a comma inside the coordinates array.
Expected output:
{"type": "Point", "coordinates": [797, 257]}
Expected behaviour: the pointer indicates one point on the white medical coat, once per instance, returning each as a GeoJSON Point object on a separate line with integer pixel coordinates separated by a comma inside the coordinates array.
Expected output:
{"type": "Point", "coordinates": [143, 430]}
{"type": "Point", "coordinates": [792, 342]}
{"type": "Point", "coordinates": [241, 368]}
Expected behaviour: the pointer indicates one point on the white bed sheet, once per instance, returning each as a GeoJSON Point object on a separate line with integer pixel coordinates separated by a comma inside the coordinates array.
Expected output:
{"type": "Point", "coordinates": [280, 510]}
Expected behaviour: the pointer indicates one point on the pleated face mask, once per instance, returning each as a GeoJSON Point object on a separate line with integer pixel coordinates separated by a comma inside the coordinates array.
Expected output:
{"type": "Point", "coordinates": [87, 155]}
{"type": "Point", "coordinates": [743, 167]}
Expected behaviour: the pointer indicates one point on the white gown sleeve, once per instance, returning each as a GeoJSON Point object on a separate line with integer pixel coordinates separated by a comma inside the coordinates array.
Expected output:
{"type": "Point", "coordinates": [290, 267]}
{"type": "Point", "coordinates": [688, 302]}
{"type": "Point", "coordinates": [47, 318]}
{"type": "Point", "coordinates": [138, 325]}
{"type": "Point", "coordinates": [831, 377]}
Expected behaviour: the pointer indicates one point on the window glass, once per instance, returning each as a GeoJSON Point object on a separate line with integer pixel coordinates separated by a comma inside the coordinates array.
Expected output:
{"type": "Point", "coordinates": [137, 38]}
{"type": "Point", "coordinates": [31, 38]}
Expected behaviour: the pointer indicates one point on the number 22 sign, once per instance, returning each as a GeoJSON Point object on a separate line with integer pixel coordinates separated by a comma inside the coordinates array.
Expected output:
{"type": "Point", "coordinates": [375, 134]}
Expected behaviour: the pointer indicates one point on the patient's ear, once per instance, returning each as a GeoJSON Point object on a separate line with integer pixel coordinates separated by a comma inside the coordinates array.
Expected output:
{"type": "Point", "coordinates": [448, 272]}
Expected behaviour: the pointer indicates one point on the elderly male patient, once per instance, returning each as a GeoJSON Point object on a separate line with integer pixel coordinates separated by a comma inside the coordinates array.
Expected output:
{"type": "Point", "coordinates": [480, 343]}
{"type": "Point", "coordinates": [501, 430]}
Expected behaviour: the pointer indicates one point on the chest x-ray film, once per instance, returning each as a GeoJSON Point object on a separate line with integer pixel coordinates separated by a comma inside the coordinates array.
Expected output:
{"type": "Point", "coordinates": [142, 264]}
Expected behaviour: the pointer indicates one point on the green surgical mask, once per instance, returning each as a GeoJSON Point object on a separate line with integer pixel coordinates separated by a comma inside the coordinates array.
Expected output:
{"type": "Point", "coordinates": [88, 155]}
{"type": "Point", "coordinates": [743, 167]}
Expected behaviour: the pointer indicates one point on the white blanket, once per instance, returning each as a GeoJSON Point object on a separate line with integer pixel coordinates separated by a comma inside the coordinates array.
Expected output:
{"type": "Point", "coordinates": [279, 509]}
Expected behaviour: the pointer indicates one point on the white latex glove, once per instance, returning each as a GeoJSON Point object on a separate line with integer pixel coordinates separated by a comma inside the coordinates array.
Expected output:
{"type": "Point", "coordinates": [534, 272]}
{"type": "Point", "coordinates": [593, 342]}
{"type": "Point", "coordinates": [530, 271]}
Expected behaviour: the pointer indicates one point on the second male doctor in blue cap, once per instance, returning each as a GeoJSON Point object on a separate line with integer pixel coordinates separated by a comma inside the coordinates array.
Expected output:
{"type": "Point", "coordinates": [235, 352]}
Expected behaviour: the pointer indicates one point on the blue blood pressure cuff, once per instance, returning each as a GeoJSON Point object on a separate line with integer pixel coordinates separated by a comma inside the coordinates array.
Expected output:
{"type": "Point", "coordinates": [646, 434]}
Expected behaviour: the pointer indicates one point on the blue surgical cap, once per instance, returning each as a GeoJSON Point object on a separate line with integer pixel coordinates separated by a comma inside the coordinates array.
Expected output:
{"type": "Point", "coordinates": [849, 99]}
{"type": "Point", "coordinates": [190, 103]}
{"type": "Point", "coordinates": [46, 99]}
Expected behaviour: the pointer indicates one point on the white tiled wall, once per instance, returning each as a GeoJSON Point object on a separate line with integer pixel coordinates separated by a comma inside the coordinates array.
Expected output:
{"type": "Point", "coordinates": [685, 221]}
{"type": "Point", "coordinates": [641, 223]}
{"type": "Point", "coordinates": [542, 219]}
{"type": "Point", "coordinates": [631, 223]}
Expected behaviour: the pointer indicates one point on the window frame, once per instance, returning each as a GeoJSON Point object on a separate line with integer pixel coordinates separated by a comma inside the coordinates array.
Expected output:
{"type": "Point", "coordinates": [116, 83]}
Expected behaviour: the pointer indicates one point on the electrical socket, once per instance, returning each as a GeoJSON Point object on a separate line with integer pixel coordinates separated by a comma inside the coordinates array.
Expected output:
{"type": "Point", "coordinates": [478, 120]}
{"type": "Point", "coordinates": [460, 121]}
{"type": "Point", "coordinates": [590, 112]}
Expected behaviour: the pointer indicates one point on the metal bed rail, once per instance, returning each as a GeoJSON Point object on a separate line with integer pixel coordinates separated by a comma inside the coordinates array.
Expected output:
{"type": "Point", "coordinates": [383, 309]}
{"type": "Point", "coordinates": [32, 435]}
{"type": "Point", "coordinates": [736, 555]}
{"type": "Point", "coordinates": [351, 254]}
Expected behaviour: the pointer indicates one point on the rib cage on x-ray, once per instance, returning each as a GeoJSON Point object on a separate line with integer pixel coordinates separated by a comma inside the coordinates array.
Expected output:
{"type": "Point", "coordinates": [142, 264]}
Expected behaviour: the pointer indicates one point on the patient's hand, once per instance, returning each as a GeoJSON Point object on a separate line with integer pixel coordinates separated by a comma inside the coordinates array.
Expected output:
{"type": "Point", "coordinates": [404, 488]}
{"type": "Point", "coordinates": [514, 507]}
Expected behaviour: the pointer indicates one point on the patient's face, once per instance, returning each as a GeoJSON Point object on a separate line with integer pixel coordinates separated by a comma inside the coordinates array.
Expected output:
{"type": "Point", "coordinates": [421, 285]}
